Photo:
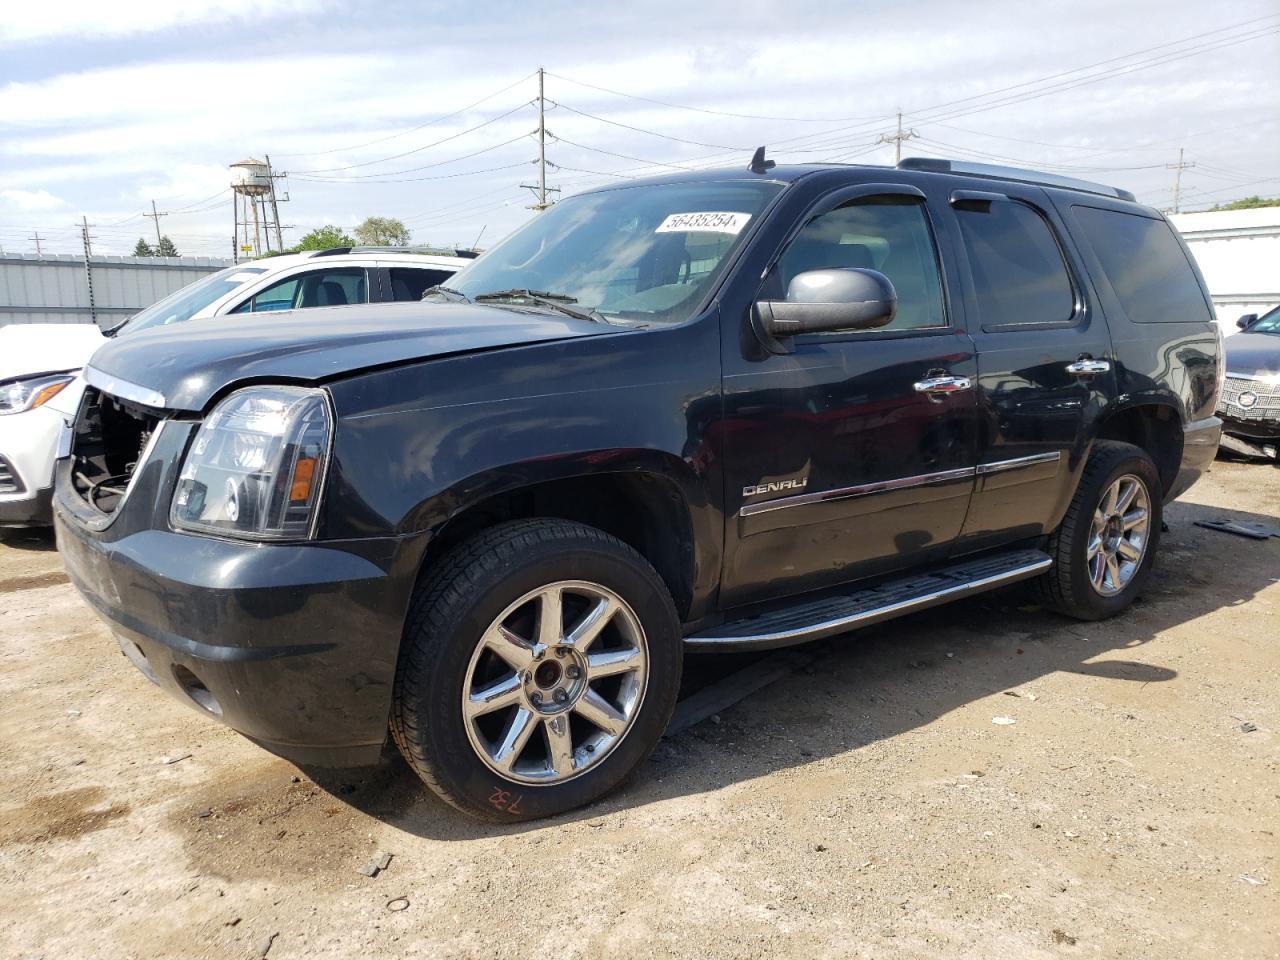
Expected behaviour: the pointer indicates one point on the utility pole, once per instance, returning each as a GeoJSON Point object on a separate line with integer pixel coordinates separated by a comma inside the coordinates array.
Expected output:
{"type": "Point", "coordinates": [156, 217]}
{"type": "Point", "coordinates": [897, 138]}
{"type": "Point", "coordinates": [35, 235]}
{"type": "Point", "coordinates": [541, 187]}
{"type": "Point", "coordinates": [1177, 179]}
{"type": "Point", "coordinates": [275, 209]}
{"type": "Point", "coordinates": [88, 270]}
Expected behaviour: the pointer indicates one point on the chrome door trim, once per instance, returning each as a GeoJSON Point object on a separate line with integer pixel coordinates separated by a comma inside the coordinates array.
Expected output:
{"type": "Point", "coordinates": [1017, 463]}
{"type": "Point", "coordinates": [862, 490]}
{"type": "Point", "coordinates": [123, 388]}
{"type": "Point", "coordinates": [942, 385]}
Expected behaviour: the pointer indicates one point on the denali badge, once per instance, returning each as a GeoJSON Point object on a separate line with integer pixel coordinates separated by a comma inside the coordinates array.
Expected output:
{"type": "Point", "coordinates": [774, 486]}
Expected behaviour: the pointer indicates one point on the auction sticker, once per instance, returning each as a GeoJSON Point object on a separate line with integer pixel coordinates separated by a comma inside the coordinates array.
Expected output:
{"type": "Point", "coordinates": [705, 222]}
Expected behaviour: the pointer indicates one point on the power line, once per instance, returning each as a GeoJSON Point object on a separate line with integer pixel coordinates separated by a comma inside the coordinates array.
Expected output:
{"type": "Point", "coordinates": [421, 126]}
{"type": "Point", "coordinates": [718, 113]}
{"type": "Point", "coordinates": [455, 136]}
{"type": "Point", "coordinates": [426, 166]}
{"type": "Point", "coordinates": [652, 133]}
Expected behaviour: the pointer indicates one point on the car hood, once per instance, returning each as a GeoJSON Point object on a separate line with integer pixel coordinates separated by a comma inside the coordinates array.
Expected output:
{"type": "Point", "coordinates": [1253, 354]}
{"type": "Point", "coordinates": [183, 366]}
{"type": "Point", "coordinates": [28, 349]}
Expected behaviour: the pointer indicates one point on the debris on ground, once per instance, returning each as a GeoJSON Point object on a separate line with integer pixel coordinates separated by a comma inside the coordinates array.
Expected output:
{"type": "Point", "coordinates": [265, 946]}
{"type": "Point", "coordinates": [1242, 528]}
{"type": "Point", "coordinates": [1065, 938]}
{"type": "Point", "coordinates": [1248, 726]}
{"type": "Point", "coordinates": [1003, 721]}
{"type": "Point", "coordinates": [176, 758]}
{"type": "Point", "coordinates": [396, 904]}
{"type": "Point", "coordinates": [73, 713]}
{"type": "Point", "coordinates": [1252, 881]}
{"type": "Point", "coordinates": [381, 860]}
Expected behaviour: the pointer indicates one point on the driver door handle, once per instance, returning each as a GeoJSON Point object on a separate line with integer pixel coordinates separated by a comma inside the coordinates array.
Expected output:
{"type": "Point", "coordinates": [942, 385]}
{"type": "Point", "coordinates": [1087, 367]}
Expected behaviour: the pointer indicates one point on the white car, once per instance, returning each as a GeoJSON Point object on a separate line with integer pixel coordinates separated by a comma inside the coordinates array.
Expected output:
{"type": "Point", "coordinates": [39, 363]}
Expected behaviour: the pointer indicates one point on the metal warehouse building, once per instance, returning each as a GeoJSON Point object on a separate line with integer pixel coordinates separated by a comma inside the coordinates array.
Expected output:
{"type": "Point", "coordinates": [64, 289]}
{"type": "Point", "coordinates": [1239, 254]}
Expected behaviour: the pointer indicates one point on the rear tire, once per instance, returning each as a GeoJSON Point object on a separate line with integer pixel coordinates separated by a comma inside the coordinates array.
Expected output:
{"type": "Point", "coordinates": [539, 666]}
{"type": "Point", "coordinates": [1105, 546]}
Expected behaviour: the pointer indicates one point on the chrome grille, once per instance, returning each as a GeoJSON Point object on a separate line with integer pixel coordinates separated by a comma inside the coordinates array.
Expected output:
{"type": "Point", "coordinates": [1266, 399]}
{"type": "Point", "coordinates": [9, 482]}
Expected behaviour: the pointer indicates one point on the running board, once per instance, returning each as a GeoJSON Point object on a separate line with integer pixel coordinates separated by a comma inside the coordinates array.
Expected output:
{"type": "Point", "coordinates": [832, 614]}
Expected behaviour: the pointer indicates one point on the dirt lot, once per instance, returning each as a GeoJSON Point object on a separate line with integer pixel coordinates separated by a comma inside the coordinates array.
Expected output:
{"type": "Point", "coordinates": [866, 807]}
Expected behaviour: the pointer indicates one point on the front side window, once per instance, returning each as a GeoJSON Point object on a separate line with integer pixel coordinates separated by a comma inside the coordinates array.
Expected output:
{"type": "Point", "coordinates": [1267, 323]}
{"type": "Point", "coordinates": [647, 253]}
{"type": "Point", "coordinates": [1017, 266]}
{"type": "Point", "coordinates": [316, 288]}
{"type": "Point", "coordinates": [887, 234]}
{"type": "Point", "coordinates": [1145, 265]}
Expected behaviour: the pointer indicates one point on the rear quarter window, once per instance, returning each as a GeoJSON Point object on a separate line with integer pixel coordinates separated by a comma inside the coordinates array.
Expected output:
{"type": "Point", "coordinates": [1145, 265]}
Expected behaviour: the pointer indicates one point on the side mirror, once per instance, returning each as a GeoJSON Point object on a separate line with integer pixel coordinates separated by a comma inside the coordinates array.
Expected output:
{"type": "Point", "coordinates": [819, 301]}
{"type": "Point", "coordinates": [1247, 321]}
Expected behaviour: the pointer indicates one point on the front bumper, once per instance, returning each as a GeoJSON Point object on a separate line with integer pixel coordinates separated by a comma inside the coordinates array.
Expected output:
{"type": "Point", "coordinates": [28, 446]}
{"type": "Point", "coordinates": [293, 645]}
{"type": "Point", "coordinates": [1199, 446]}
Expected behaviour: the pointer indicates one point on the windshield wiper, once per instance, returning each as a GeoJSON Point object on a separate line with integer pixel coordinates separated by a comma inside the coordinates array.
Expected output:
{"type": "Point", "coordinates": [556, 301]}
{"type": "Point", "coordinates": [457, 295]}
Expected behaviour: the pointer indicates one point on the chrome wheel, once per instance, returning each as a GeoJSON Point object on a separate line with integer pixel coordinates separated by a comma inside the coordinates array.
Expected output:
{"type": "Point", "coordinates": [1118, 536]}
{"type": "Point", "coordinates": [555, 682]}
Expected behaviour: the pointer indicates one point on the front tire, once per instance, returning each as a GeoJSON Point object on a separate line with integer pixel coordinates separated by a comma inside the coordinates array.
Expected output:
{"type": "Point", "coordinates": [1106, 544]}
{"type": "Point", "coordinates": [539, 666]}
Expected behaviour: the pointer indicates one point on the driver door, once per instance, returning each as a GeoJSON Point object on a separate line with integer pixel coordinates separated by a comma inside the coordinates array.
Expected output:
{"type": "Point", "coordinates": [841, 460]}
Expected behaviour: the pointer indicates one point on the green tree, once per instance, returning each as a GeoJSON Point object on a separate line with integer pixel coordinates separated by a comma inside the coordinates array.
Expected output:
{"type": "Point", "coordinates": [324, 238]}
{"type": "Point", "coordinates": [383, 232]}
{"type": "Point", "coordinates": [166, 248]}
{"type": "Point", "coordinates": [143, 249]}
{"type": "Point", "coordinates": [1248, 203]}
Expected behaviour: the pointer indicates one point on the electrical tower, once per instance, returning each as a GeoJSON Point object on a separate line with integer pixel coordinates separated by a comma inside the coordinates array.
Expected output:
{"type": "Point", "coordinates": [540, 188]}
{"type": "Point", "coordinates": [1177, 179]}
{"type": "Point", "coordinates": [35, 235]}
{"type": "Point", "coordinates": [156, 217]}
{"type": "Point", "coordinates": [897, 138]}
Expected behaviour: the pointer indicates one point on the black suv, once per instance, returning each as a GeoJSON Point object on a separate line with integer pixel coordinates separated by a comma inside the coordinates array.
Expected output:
{"type": "Point", "coordinates": [725, 410]}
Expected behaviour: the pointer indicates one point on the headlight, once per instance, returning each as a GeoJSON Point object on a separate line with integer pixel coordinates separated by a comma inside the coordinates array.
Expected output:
{"type": "Point", "coordinates": [257, 465]}
{"type": "Point", "coordinates": [19, 395]}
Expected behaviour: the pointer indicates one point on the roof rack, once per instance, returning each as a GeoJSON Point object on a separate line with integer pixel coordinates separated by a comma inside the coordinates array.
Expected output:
{"type": "Point", "coordinates": [997, 172]}
{"type": "Point", "coordinates": [431, 251]}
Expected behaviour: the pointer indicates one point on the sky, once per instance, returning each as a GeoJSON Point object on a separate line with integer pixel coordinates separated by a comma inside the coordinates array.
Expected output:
{"type": "Point", "coordinates": [427, 111]}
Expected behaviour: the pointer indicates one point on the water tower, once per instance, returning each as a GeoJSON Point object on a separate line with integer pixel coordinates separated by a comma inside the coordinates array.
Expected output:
{"type": "Point", "coordinates": [255, 207]}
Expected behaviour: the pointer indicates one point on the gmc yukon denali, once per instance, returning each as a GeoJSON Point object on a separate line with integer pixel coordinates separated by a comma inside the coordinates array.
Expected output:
{"type": "Point", "coordinates": [724, 410]}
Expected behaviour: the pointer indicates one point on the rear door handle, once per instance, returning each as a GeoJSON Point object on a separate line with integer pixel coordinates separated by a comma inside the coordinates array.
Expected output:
{"type": "Point", "coordinates": [942, 385]}
{"type": "Point", "coordinates": [1087, 367]}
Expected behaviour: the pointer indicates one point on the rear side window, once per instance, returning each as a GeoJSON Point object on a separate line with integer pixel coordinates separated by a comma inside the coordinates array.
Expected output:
{"type": "Point", "coordinates": [409, 283]}
{"type": "Point", "coordinates": [1017, 266]}
{"type": "Point", "coordinates": [1145, 264]}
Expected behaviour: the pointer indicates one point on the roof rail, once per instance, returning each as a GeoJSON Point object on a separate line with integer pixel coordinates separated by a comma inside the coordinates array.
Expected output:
{"type": "Point", "coordinates": [997, 172]}
{"type": "Point", "coordinates": [432, 251]}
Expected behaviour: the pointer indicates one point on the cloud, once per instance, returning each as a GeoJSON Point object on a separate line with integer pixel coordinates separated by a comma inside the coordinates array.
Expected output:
{"type": "Point", "coordinates": [94, 19]}
{"type": "Point", "coordinates": [32, 199]}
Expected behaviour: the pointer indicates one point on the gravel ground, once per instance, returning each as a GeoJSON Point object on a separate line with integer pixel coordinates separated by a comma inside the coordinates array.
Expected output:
{"type": "Point", "coordinates": [866, 806]}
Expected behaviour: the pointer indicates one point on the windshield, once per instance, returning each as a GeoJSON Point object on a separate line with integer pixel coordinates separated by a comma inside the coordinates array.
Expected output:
{"type": "Point", "coordinates": [1267, 323]}
{"type": "Point", "coordinates": [646, 253]}
{"type": "Point", "coordinates": [185, 303]}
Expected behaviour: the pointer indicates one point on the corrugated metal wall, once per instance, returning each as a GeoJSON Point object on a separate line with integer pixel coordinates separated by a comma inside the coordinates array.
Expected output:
{"type": "Point", "coordinates": [52, 289]}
